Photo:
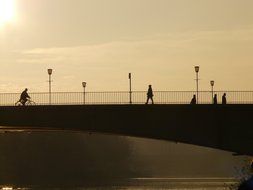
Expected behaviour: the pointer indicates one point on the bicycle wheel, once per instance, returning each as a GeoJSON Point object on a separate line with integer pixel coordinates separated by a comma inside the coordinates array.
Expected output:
{"type": "Point", "coordinates": [18, 103]}
{"type": "Point", "coordinates": [30, 103]}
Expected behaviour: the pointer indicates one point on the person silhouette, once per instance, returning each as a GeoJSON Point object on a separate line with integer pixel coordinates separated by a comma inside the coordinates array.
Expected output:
{"type": "Point", "coordinates": [193, 101]}
{"type": "Point", "coordinates": [150, 94]}
{"type": "Point", "coordinates": [24, 96]}
{"type": "Point", "coordinates": [224, 99]}
{"type": "Point", "coordinates": [215, 99]}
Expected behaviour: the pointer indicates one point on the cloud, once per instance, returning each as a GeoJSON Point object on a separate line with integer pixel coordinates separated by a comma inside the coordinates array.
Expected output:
{"type": "Point", "coordinates": [166, 60]}
{"type": "Point", "coordinates": [139, 49]}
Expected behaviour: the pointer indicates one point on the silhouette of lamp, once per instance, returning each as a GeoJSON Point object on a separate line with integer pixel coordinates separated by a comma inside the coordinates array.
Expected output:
{"type": "Point", "coordinates": [49, 71]}
{"type": "Point", "coordinates": [130, 87]}
{"type": "Point", "coordinates": [197, 81]}
{"type": "Point", "coordinates": [212, 84]}
{"type": "Point", "coordinates": [84, 85]}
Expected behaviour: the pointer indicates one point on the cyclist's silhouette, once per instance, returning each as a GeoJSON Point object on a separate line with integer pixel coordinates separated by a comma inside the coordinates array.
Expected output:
{"type": "Point", "coordinates": [24, 96]}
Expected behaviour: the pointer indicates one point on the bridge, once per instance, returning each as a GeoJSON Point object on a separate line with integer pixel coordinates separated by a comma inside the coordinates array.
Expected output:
{"type": "Point", "coordinates": [123, 97]}
{"type": "Point", "coordinates": [225, 127]}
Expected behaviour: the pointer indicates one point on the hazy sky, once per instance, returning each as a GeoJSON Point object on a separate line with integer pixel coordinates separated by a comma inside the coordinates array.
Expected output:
{"type": "Point", "coordinates": [100, 41]}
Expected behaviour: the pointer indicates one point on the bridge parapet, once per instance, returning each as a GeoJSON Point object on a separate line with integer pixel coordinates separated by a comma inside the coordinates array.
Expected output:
{"type": "Point", "coordinates": [123, 97]}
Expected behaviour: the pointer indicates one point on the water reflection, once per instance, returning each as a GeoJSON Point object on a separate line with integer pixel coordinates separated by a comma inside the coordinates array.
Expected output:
{"type": "Point", "coordinates": [64, 159]}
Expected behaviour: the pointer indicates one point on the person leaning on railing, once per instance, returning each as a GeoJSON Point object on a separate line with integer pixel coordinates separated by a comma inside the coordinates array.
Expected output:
{"type": "Point", "coordinates": [215, 99]}
{"type": "Point", "coordinates": [224, 99]}
{"type": "Point", "coordinates": [193, 101]}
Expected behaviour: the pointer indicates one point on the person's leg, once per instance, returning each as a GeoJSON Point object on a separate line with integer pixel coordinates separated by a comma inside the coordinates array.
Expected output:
{"type": "Point", "coordinates": [24, 101]}
{"type": "Point", "coordinates": [147, 100]}
{"type": "Point", "coordinates": [152, 100]}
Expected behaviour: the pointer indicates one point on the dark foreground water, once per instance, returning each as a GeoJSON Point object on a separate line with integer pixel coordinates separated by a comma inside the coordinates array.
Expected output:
{"type": "Point", "coordinates": [139, 184]}
{"type": "Point", "coordinates": [67, 160]}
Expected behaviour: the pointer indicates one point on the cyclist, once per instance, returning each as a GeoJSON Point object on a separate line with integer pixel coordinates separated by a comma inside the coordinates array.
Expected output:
{"type": "Point", "coordinates": [24, 96]}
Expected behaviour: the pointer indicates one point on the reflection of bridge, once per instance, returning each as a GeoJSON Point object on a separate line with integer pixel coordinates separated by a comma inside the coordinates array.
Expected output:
{"type": "Point", "coordinates": [226, 127]}
{"type": "Point", "coordinates": [123, 97]}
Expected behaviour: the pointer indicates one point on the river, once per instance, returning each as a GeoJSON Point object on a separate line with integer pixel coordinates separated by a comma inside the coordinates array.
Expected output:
{"type": "Point", "coordinates": [77, 160]}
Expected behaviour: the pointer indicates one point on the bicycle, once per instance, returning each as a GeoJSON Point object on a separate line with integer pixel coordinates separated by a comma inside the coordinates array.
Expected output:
{"type": "Point", "coordinates": [29, 102]}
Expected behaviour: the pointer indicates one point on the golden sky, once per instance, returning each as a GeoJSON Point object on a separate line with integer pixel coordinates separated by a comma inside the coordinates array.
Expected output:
{"type": "Point", "coordinates": [101, 41]}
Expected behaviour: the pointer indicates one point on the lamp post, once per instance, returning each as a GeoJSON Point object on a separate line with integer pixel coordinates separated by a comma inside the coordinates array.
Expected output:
{"type": "Point", "coordinates": [84, 85]}
{"type": "Point", "coordinates": [212, 84]}
{"type": "Point", "coordinates": [197, 81]}
{"type": "Point", "coordinates": [130, 87]}
{"type": "Point", "coordinates": [49, 71]}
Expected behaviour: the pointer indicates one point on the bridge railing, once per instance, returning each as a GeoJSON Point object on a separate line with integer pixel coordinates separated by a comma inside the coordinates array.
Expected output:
{"type": "Point", "coordinates": [123, 97]}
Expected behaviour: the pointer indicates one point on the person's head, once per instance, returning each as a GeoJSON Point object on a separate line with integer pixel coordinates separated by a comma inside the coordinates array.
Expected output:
{"type": "Point", "coordinates": [149, 86]}
{"type": "Point", "coordinates": [26, 89]}
{"type": "Point", "coordinates": [194, 96]}
{"type": "Point", "coordinates": [215, 95]}
{"type": "Point", "coordinates": [224, 94]}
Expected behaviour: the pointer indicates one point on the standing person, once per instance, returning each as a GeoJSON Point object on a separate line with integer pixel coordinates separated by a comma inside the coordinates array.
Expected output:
{"type": "Point", "coordinates": [150, 94]}
{"type": "Point", "coordinates": [215, 99]}
{"type": "Point", "coordinates": [224, 99]}
{"type": "Point", "coordinates": [24, 96]}
{"type": "Point", "coordinates": [193, 101]}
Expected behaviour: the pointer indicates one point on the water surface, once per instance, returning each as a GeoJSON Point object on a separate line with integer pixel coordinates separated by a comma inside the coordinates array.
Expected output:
{"type": "Point", "coordinates": [88, 160]}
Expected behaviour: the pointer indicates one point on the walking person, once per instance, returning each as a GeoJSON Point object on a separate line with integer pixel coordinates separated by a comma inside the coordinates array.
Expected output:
{"type": "Point", "coordinates": [193, 101]}
{"type": "Point", "coordinates": [224, 99]}
{"type": "Point", "coordinates": [150, 94]}
{"type": "Point", "coordinates": [215, 99]}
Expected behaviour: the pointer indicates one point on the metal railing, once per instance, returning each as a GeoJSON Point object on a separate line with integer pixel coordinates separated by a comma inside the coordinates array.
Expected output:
{"type": "Point", "coordinates": [123, 97]}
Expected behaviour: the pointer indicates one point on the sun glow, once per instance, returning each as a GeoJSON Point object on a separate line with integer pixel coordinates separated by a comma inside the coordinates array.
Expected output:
{"type": "Point", "coordinates": [7, 11]}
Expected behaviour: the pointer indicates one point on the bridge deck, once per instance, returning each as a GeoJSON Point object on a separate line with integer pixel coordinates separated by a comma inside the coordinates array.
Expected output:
{"type": "Point", "coordinates": [226, 127]}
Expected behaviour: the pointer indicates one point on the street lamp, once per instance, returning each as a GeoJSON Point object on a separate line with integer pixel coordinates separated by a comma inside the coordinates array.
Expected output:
{"type": "Point", "coordinates": [130, 87]}
{"type": "Point", "coordinates": [197, 81]}
{"type": "Point", "coordinates": [212, 84]}
{"type": "Point", "coordinates": [49, 71]}
{"type": "Point", "coordinates": [84, 85]}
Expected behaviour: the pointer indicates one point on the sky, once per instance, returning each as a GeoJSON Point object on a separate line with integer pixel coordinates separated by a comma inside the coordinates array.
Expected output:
{"type": "Point", "coordinates": [101, 41]}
